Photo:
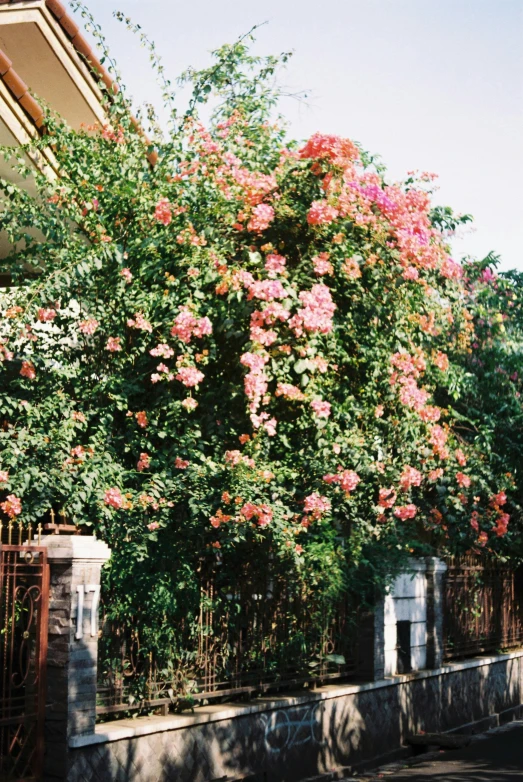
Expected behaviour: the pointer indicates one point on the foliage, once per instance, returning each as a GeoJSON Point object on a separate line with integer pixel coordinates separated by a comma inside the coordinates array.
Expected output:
{"type": "Point", "coordinates": [250, 351]}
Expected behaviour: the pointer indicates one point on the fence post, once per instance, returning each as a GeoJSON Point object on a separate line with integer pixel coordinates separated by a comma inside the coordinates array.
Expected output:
{"type": "Point", "coordinates": [75, 570]}
{"type": "Point", "coordinates": [436, 570]}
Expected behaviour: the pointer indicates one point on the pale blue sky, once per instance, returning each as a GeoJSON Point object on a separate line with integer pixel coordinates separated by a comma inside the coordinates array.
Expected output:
{"type": "Point", "coordinates": [430, 84]}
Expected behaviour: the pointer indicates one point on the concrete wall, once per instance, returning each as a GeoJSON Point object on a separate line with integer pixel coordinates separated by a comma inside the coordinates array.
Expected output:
{"type": "Point", "coordinates": [288, 739]}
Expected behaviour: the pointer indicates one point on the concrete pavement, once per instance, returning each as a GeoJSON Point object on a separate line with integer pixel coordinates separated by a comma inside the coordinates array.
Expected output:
{"type": "Point", "coordinates": [496, 756]}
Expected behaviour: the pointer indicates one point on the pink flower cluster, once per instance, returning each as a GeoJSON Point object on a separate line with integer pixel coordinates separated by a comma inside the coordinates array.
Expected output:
{"type": "Point", "coordinates": [386, 498]}
{"type": "Point", "coordinates": [316, 505]}
{"type": "Point", "coordinates": [406, 512]}
{"type": "Point", "coordinates": [88, 327]}
{"type": "Point", "coordinates": [346, 479]}
{"type": "Point", "coordinates": [351, 268]}
{"type": "Point", "coordinates": [463, 480]}
{"type": "Point", "coordinates": [290, 392]}
{"type": "Point", "coordinates": [321, 408]}
{"type": "Point", "coordinates": [144, 462]}
{"type": "Point", "coordinates": [162, 350]}
{"type": "Point", "coordinates": [256, 381]}
{"type": "Point", "coordinates": [321, 213]}
{"type": "Point", "coordinates": [186, 326]}
{"type": "Point", "coordinates": [114, 498]}
{"type": "Point", "coordinates": [275, 264]}
{"type": "Point", "coordinates": [181, 464]}
{"type": "Point", "coordinates": [262, 513]}
{"type": "Point", "coordinates": [46, 315]}
{"type": "Point", "coordinates": [4, 476]}
{"type": "Point", "coordinates": [163, 211]}
{"type": "Point", "coordinates": [190, 376]}
{"type": "Point", "coordinates": [317, 312]}
{"type": "Point", "coordinates": [234, 458]}
{"type": "Point", "coordinates": [139, 322]}
{"type": "Point", "coordinates": [340, 151]}
{"type": "Point", "coordinates": [262, 217]}
{"type": "Point", "coordinates": [438, 440]}
{"type": "Point", "coordinates": [114, 344]}
{"type": "Point", "coordinates": [322, 265]}
{"type": "Point", "coordinates": [410, 477]}
{"type": "Point", "coordinates": [28, 370]}
{"type": "Point", "coordinates": [264, 420]}
{"type": "Point", "coordinates": [12, 506]}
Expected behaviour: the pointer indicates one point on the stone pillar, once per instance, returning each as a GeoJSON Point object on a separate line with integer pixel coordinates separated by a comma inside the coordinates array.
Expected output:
{"type": "Point", "coordinates": [436, 570]}
{"type": "Point", "coordinates": [75, 570]}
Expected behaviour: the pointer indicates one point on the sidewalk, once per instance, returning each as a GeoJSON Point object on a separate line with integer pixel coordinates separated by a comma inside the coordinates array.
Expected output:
{"type": "Point", "coordinates": [492, 757]}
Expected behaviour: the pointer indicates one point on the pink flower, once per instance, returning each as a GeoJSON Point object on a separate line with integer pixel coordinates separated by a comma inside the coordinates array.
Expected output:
{"type": "Point", "coordinates": [144, 462]}
{"type": "Point", "coordinates": [139, 322]}
{"type": "Point", "coordinates": [410, 477]}
{"type": "Point", "coordinates": [190, 376]}
{"type": "Point", "coordinates": [347, 479]}
{"type": "Point", "coordinates": [12, 506]}
{"type": "Point", "coordinates": [275, 264]}
{"type": "Point", "coordinates": [289, 391]}
{"type": "Point", "coordinates": [316, 505]}
{"type": "Point", "coordinates": [410, 273]}
{"type": "Point", "coordinates": [127, 275]}
{"type": "Point", "coordinates": [317, 312]}
{"type": "Point", "coordinates": [153, 526]}
{"type": "Point", "coordinates": [163, 211]}
{"type": "Point", "coordinates": [321, 213]}
{"type": "Point", "coordinates": [190, 403]}
{"type": "Point", "coordinates": [387, 498]}
{"type": "Point", "coordinates": [28, 370]}
{"type": "Point", "coordinates": [499, 499]}
{"type": "Point", "coordinates": [463, 480]}
{"type": "Point", "coordinates": [266, 290]}
{"type": "Point", "coordinates": [263, 513]}
{"type": "Point", "coordinates": [186, 326]}
{"type": "Point", "coordinates": [321, 408]}
{"type": "Point", "coordinates": [141, 419]}
{"type": "Point", "coordinates": [460, 457]}
{"type": "Point", "coordinates": [501, 525]}
{"type": "Point", "coordinates": [378, 412]}
{"type": "Point", "coordinates": [341, 151]}
{"type": "Point", "coordinates": [322, 265]}
{"type": "Point", "coordinates": [88, 327]}
{"type": "Point", "coordinates": [46, 315]}
{"type": "Point", "coordinates": [441, 360]}
{"type": "Point", "coordinates": [4, 476]}
{"type": "Point", "coordinates": [113, 497]}
{"type": "Point", "coordinates": [114, 344]}
{"type": "Point", "coordinates": [262, 217]}
{"type": "Point", "coordinates": [406, 512]}
{"type": "Point", "coordinates": [181, 464]}
{"type": "Point", "coordinates": [435, 475]}
{"type": "Point", "coordinates": [162, 350]}
{"type": "Point", "coordinates": [76, 416]}
{"type": "Point", "coordinates": [351, 268]}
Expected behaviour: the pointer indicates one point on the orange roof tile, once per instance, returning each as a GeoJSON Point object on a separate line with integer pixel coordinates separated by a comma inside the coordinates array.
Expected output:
{"type": "Point", "coordinates": [19, 88]}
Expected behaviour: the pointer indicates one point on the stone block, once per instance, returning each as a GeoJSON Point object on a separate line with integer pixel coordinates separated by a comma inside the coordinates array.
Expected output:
{"type": "Point", "coordinates": [418, 634]}
{"type": "Point", "coordinates": [418, 657]}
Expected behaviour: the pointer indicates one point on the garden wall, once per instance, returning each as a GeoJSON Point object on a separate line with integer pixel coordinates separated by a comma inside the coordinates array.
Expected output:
{"type": "Point", "coordinates": [291, 738]}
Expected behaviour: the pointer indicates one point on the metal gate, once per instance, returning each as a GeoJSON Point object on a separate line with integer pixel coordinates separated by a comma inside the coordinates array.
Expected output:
{"type": "Point", "coordinates": [24, 596]}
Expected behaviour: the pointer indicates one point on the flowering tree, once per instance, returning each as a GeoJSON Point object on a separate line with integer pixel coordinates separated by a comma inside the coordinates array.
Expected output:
{"type": "Point", "coordinates": [251, 348]}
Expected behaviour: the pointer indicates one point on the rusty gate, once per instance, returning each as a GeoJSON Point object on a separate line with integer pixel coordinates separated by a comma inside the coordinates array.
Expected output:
{"type": "Point", "coordinates": [24, 594]}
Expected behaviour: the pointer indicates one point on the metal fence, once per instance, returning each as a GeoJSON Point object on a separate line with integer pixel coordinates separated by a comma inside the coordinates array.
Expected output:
{"type": "Point", "coordinates": [483, 607]}
{"type": "Point", "coordinates": [259, 633]}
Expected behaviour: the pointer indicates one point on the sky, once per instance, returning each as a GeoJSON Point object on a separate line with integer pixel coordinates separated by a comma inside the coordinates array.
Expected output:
{"type": "Point", "coordinates": [434, 85]}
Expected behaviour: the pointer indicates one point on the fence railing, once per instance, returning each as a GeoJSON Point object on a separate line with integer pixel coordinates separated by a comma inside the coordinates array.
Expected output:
{"type": "Point", "coordinates": [251, 636]}
{"type": "Point", "coordinates": [483, 607]}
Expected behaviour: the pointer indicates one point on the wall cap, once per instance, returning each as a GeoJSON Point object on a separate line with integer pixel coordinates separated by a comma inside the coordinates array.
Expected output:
{"type": "Point", "coordinates": [75, 548]}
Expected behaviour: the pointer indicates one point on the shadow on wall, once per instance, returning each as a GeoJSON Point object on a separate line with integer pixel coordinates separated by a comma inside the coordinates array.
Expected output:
{"type": "Point", "coordinates": [286, 744]}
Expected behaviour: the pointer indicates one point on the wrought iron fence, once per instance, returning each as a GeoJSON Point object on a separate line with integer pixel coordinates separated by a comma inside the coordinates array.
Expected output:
{"type": "Point", "coordinates": [24, 590]}
{"type": "Point", "coordinates": [262, 632]}
{"type": "Point", "coordinates": [483, 607]}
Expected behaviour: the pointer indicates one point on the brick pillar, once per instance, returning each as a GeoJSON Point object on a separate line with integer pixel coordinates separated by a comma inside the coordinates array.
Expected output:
{"type": "Point", "coordinates": [436, 570]}
{"type": "Point", "coordinates": [75, 569]}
